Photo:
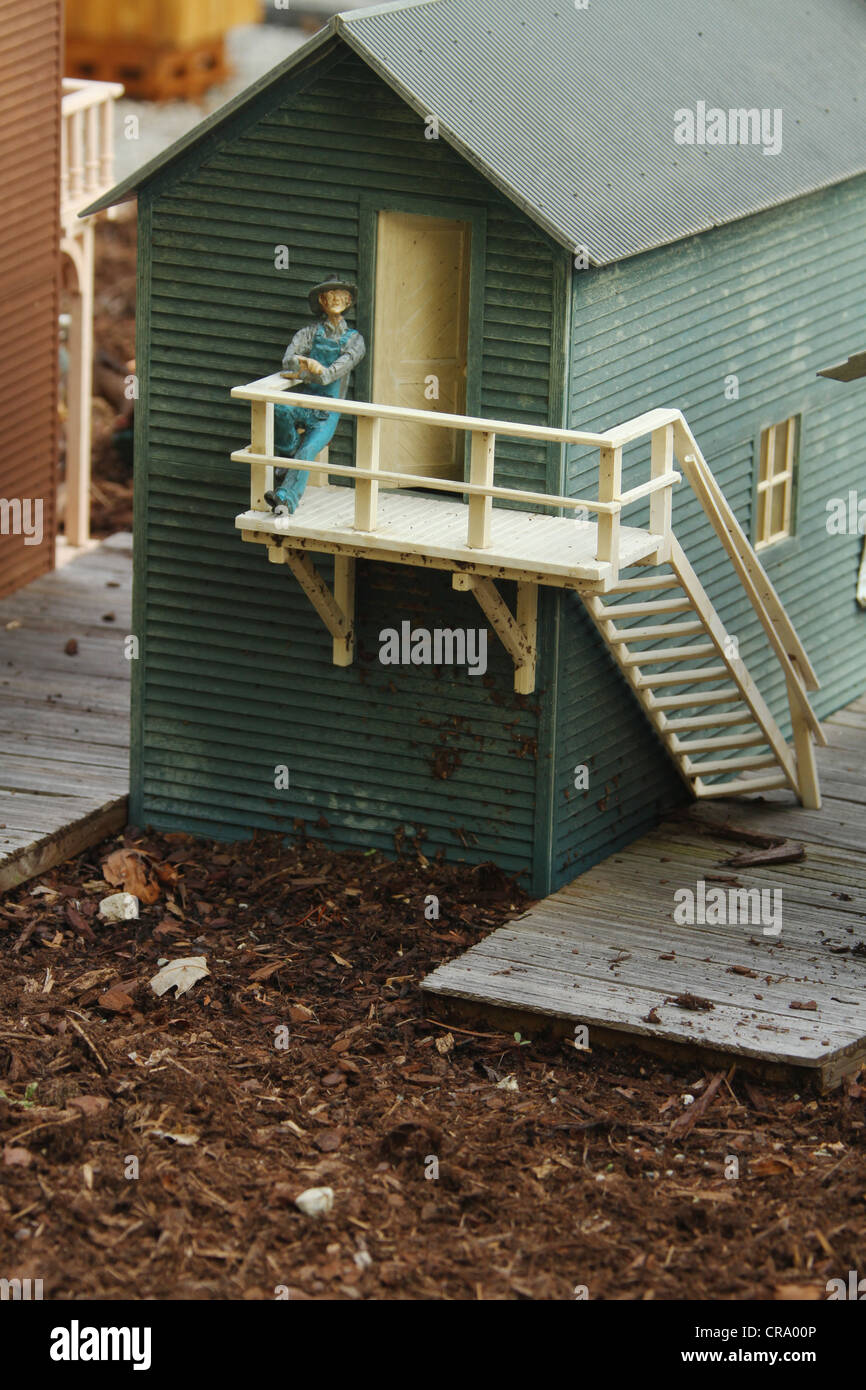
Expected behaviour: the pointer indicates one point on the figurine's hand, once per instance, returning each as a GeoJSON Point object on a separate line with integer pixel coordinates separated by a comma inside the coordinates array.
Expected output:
{"type": "Point", "coordinates": [311, 365]}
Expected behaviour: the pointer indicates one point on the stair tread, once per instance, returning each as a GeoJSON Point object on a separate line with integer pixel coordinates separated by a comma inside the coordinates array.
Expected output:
{"type": "Point", "coordinates": [709, 673]}
{"type": "Point", "coordinates": [706, 745]}
{"type": "Point", "coordinates": [636, 586]}
{"type": "Point", "coordinates": [707, 721]}
{"type": "Point", "coordinates": [655, 654]}
{"type": "Point", "coordinates": [647, 634]}
{"type": "Point", "coordinates": [728, 696]}
{"type": "Point", "coordinates": [639, 610]}
{"type": "Point", "coordinates": [722, 765]}
{"type": "Point", "coordinates": [741, 785]}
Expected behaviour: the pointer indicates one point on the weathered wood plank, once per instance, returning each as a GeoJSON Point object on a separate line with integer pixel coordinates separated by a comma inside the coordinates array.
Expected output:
{"type": "Point", "coordinates": [64, 719]}
{"type": "Point", "coordinates": [606, 951]}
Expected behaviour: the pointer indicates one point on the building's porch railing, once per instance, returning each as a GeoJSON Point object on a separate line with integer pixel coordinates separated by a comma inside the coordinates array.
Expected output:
{"type": "Point", "coordinates": [86, 172]}
{"type": "Point", "coordinates": [481, 489]}
{"type": "Point", "coordinates": [86, 144]}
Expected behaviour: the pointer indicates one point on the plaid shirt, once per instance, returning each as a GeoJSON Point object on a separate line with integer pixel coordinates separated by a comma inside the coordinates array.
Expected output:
{"type": "Point", "coordinates": [302, 344]}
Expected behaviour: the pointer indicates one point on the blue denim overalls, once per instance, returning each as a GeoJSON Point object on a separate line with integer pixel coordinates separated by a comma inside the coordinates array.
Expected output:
{"type": "Point", "coordinates": [319, 426]}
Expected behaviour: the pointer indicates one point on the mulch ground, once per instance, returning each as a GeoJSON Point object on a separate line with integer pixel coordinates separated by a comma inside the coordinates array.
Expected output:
{"type": "Point", "coordinates": [307, 1057]}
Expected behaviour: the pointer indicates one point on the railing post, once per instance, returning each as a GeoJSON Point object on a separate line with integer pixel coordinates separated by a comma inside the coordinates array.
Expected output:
{"type": "Point", "coordinates": [481, 463]}
{"type": "Point", "coordinates": [661, 502]}
{"type": "Point", "coordinates": [367, 457]}
{"type": "Point", "coordinates": [609, 489]}
{"type": "Point", "coordinates": [64, 166]}
{"type": "Point", "coordinates": [261, 442]}
{"type": "Point", "coordinates": [91, 149]}
{"type": "Point", "coordinates": [106, 152]}
{"type": "Point", "coordinates": [76, 155]}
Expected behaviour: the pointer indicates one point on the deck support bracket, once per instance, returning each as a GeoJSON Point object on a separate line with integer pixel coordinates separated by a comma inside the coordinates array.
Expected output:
{"type": "Point", "coordinates": [518, 634]}
{"type": "Point", "coordinates": [337, 609]}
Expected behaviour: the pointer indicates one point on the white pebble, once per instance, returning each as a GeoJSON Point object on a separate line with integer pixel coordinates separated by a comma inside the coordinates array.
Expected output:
{"type": "Point", "coordinates": [119, 907]}
{"type": "Point", "coordinates": [316, 1201]}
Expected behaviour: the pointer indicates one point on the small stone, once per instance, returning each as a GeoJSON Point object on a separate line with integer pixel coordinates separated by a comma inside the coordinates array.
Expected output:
{"type": "Point", "coordinates": [119, 907]}
{"type": "Point", "coordinates": [316, 1201]}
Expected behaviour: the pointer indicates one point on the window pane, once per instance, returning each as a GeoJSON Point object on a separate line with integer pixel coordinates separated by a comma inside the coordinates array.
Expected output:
{"type": "Point", "coordinates": [763, 473]}
{"type": "Point", "coordinates": [777, 512]}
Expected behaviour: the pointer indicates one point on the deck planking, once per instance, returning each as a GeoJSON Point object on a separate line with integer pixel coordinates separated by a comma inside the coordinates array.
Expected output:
{"type": "Point", "coordinates": [605, 951]}
{"type": "Point", "coordinates": [64, 719]}
{"type": "Point", "coordinates": [419, 530]}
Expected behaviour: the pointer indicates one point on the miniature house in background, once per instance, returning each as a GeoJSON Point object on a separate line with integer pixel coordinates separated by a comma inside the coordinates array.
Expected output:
{"type": "Point", "coordinates": [57, 155]}
{"type": "Point", "coordinates": [158, 49]}
{"type": "Point", "coordinates": [595, 292]}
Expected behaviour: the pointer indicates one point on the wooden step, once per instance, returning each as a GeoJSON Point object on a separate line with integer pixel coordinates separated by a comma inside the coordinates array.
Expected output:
{"type": "Point", "coordinates": [708, 745]}
{"type": "Point", "coordinates": [637, 586]}
{"type": "Point", "coordinates": [709, 673]}
{"type": "Point", "coordinates": [647, 634]}
{"type": "Point", "coordinates": [722, 765]}
{"type": "Point", "coordinates": [656, 654]}
{"type": "Point", "coordinates": [706, 721]}
{"type": "Point", "coordinates": [741, 786]}
{"type": "Point", "coordinates": [640, 610]}
{"type": "Point", "coordinates": [712, 697]}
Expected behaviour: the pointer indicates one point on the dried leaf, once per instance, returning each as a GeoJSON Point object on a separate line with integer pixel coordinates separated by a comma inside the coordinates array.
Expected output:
{"type": "Point", "coordinates": [128, 869]}
{"type": "Point", "coordinates": [17, 1158]}
{"type": "Point", "coordinates": [90, 1105]}
{"type": "Point", "coordinates": [771, 1165]}
{"type": "Point", "coordinates": [266, 971]}
{"type": "Point", "coordinates": [328, 1140]}
{"type": "Point", "coordinates": [180, 975]}
{"type": "Point", "coordinates": [116, 1000]}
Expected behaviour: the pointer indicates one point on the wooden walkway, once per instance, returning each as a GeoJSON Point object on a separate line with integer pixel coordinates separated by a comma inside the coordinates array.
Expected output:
{"type": "Point", "coordinates": [419, 530]}
{"type": "Point", "coordinates": [64, 717]}
{"type": "Point", "coordinates": [606, 952]}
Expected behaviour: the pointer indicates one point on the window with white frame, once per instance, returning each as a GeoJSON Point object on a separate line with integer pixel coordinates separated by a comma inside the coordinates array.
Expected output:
{"type": "Point", "coordinates": [777, 463]}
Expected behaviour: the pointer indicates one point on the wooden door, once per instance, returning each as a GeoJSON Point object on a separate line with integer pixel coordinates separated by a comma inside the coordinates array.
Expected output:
{"type": "Point", "coordinates": [421, 335]}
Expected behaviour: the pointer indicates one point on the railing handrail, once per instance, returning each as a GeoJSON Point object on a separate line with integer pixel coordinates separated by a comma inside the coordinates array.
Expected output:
{"type": "Point", "coordinates": [456, 485]}
{"type": "Point", "coordinates": [265, 391]}
{"type": "Point", "coordinates": [78, 93]}
{"type": "Point", "coordinates": [734, 539]}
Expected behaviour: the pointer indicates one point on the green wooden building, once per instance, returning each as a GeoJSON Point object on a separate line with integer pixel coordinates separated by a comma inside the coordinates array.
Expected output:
{"type": "Point", "coordinates": [563, 219]}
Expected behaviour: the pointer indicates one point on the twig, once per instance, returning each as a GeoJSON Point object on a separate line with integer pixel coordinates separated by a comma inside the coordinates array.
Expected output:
{"type": "Point", "coordinates": [450, 1028]}
{"type": "Point", "coordinates": [93, 1048]}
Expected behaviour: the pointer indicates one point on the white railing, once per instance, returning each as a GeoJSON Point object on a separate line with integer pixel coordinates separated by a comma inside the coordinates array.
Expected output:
{"type": "Point", "coordinates": [86, 144]}
{"type": "Point", "coordinates": [481, 489]}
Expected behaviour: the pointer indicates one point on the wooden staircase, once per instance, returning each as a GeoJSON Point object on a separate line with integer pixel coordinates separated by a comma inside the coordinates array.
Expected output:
{"type": "Point", "coordinates": [684, 669]}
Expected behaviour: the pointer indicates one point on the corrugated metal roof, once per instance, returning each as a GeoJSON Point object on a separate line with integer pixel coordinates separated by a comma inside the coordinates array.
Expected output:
{"type": "Point", "coordinates": [571, 112]}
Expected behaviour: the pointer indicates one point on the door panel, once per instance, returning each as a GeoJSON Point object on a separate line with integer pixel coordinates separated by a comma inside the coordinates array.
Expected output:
{"type": "Point", "coordinates": [421, 330]}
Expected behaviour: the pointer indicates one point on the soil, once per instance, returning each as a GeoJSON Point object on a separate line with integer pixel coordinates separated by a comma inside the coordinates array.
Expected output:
{"type": "Point", "coordinates": [153, 1147]}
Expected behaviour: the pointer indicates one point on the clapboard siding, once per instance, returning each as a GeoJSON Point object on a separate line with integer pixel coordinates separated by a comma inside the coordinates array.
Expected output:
{"type": "Point", "coordinates": [770, 299]}
{"type": "Point", "coordinates": [30, 68]}
{"type": "Point", "coordinates": [237, 676]}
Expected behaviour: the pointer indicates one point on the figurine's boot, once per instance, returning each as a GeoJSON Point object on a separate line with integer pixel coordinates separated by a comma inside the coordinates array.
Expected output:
{"type": "Point", "coordinates": [285, 499]}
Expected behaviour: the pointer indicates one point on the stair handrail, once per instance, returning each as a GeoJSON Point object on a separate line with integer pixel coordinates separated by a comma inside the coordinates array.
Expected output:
{"type": "Point", "coordinates": [758, 587]}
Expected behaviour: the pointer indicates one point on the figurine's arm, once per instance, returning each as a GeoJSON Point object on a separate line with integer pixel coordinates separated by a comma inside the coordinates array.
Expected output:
{"type": "Point", "coordinates": [299, 347]}
{"type": "Point", "coordinates": [353, 353]}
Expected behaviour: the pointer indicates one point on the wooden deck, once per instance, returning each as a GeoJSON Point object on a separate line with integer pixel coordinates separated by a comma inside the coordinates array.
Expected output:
{"type": "Point", "coordinates": [64, 718]}
{"type": "Point", "coordinates": [418, 530]}
{"type": "Point", "coordinates": [606, 952]}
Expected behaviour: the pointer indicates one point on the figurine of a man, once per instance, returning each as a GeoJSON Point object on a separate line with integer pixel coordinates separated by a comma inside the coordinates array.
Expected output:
{"type": "Point", "coordinates": [322, 356]}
